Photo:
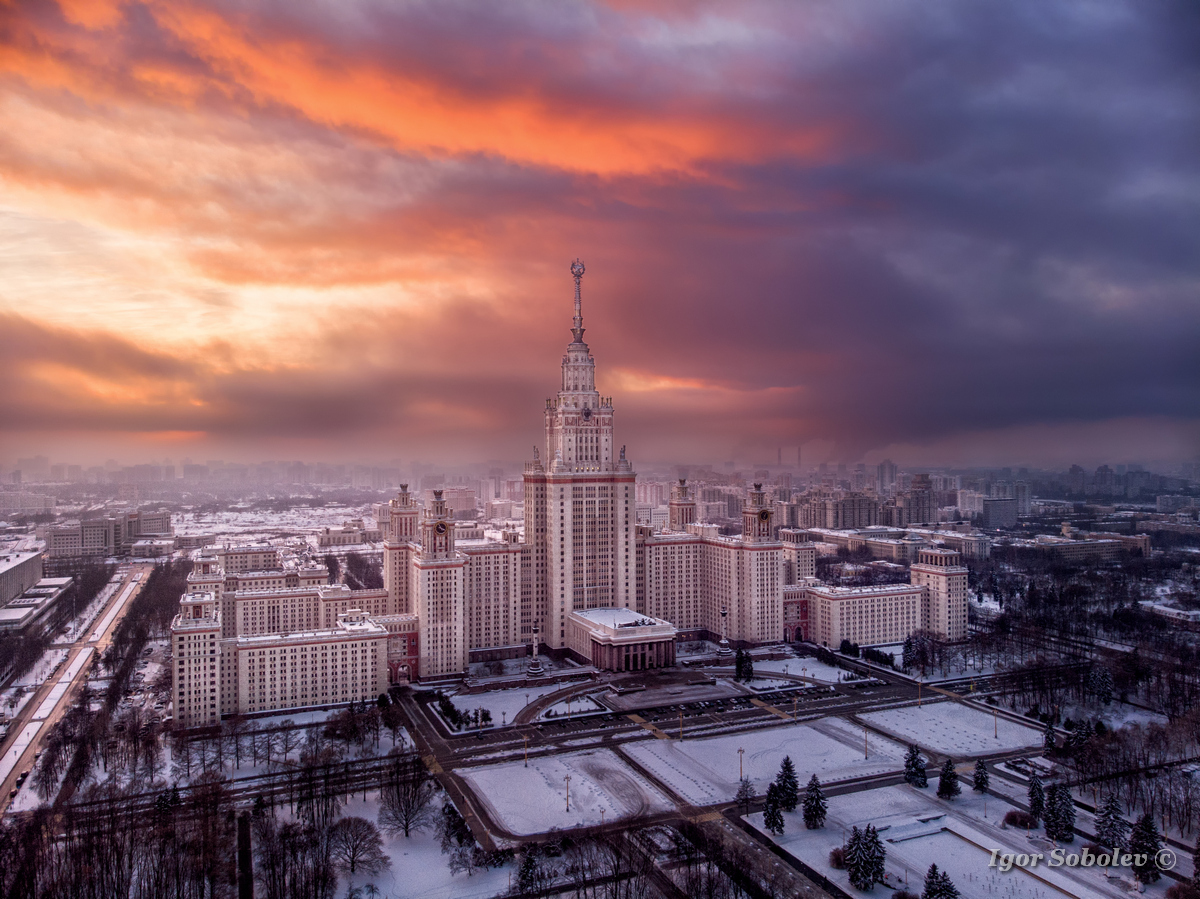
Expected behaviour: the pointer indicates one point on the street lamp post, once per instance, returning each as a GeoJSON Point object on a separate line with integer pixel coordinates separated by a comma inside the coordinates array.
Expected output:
{"type": "Point", "coordinates": [741, 752]}
{"type": "Point", "coordinates": [568, 780]}
{"type": "Point", "coordinates": [525, 737]}
{"type": "Point", "coordinates": [723, 646]}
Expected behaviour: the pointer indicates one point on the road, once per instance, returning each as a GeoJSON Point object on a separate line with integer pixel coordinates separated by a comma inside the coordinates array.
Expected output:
{"type": "Point", "coordinates": [446, 753]}
{"type": "Point", "coordinates": [52, 699]}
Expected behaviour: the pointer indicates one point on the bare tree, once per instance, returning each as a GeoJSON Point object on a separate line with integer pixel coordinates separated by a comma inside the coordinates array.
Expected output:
{"type": "Point", "coordinates": [355, 845]}
{"type": "Point", "coordinates": [404, 796]}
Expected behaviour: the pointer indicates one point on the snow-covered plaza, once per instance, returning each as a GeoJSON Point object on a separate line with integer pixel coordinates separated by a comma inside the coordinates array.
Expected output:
{"type": "Point", "coordinates": [533, 799]}
{"type": "Point", "coordinates": [954, 729]}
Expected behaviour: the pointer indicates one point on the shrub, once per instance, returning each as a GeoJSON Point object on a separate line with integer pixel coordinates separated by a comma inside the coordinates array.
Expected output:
{"type": "Point", "coordinates": [1183, 891]}
{"type": "Point", "coordinates": [904, 894]}
{"type": "Point", "coordinates": [837, 858]}
{"type": "Point", "coordinates": [1018, 818]}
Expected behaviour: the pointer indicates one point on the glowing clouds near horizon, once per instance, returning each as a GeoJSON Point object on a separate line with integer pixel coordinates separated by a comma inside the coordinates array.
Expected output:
{"type": "Point", "coordinates": [345, 229]}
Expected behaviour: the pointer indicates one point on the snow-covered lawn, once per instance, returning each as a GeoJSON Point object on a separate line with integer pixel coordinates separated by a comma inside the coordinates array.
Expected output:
{"type": "Point", "coordinates": [419, 869]}
{"type": "Point", "coordinates": [951, 728]}
{"type": "Point", "coordinates": [919, 830]}
{"type": "Point", "coordinates": [578, 705]}
{"type": "Point", "coordinates": [529, 800]}
{"type": "Point", "coordinates": [704, 772]}
{"type": "Point", "coordinates": [830, 674]}
{"type": "Point", "coordinates": [503, 704]}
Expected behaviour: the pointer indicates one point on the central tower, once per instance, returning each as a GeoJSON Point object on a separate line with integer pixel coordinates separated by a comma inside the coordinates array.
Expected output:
{"type": "Point", "coordinates": [579, 502]}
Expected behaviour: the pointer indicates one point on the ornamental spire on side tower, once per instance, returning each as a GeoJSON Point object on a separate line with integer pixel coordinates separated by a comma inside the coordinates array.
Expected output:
{"type": "Point", "coordinates": [577, 270]}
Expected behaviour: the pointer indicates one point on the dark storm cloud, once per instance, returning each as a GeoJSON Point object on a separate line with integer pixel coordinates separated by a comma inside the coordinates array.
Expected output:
{"type": "Point", "coordinates": [868, 223]}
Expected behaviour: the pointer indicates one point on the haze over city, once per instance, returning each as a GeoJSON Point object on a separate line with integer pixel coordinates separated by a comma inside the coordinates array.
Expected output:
{"type": "Point", "coordinates": [946, 234]}
{"type": "Point", "coordinates": [599, 449]}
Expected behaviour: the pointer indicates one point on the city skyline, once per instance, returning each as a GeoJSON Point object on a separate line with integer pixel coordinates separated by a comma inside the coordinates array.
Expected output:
{"type": "Point", "coordinates": [950, 237]}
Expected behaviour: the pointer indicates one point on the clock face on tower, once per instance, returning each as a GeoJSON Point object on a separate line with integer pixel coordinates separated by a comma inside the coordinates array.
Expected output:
{"type": "Point", "coordinates": [587, 414]}
{"type": "Point", "coordinates": [764, 515]}
{"type": "Point", "coordinates": [440, 527]}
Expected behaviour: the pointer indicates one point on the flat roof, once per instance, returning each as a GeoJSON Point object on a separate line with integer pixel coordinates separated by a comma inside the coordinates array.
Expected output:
{"type": "Point", "coordinates": [12, 560]}
{"type": "Point", "coordinates": [615, 618]}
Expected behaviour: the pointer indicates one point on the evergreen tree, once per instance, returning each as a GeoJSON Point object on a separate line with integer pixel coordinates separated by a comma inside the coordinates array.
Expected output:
{"type": "Point", "coordinates": [947, 889]}
{"type": "Point", "coordinates": [527, 874]}
{"type": "Point", "coordinates": [1112, 830]}
{"type": "Point", "coordinates": [739, 665]}
{"type": "Point", "coordinates": [914, 768]}
{"type": "Point", "coordinates": [1145, 841]}
{"type": "Point", "coordinates": [745, 793]}
{"type": "Point", "coordinates": [815, 806]}
{"type": "Point", "coordinates": [981, 779]}
{"type": "Point", "coordinates": [1049, 739]}
{"type": "Point", "coordinates": [749, 668]}
{"type": "Point", "coordinates": [1100, 684]}
{"type": "Point", "coordinates": [908, 656]}
{"type": "Point", "coordinates": [1037, 797]}
{"type": "Point", "coordinates": [772, 816]}
{"type": "Point", "coordinates": [933, 883]}
{"type": "Point", "coordinates": [948, 786]}
{"type": "Point", "coordinates": [938, 885]}
{"type": "Point", "coordinates": [1050, 819]}
{"type": "Point", "coordinates": [876, 854]}
{"type": "Point", "coordinates": [789, 786]}
{"type": "Point", "coordinates": [1060, 813]}
{"type": "Point", "coordinates": [857, 862]}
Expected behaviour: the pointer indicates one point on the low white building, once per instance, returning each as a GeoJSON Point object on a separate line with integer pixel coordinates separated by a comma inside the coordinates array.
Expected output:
{"type": "Point", "coordinates": [621, 639]}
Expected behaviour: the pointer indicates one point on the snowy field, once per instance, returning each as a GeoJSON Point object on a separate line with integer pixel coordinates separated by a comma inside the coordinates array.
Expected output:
{"type": "Point", "coordinates": [950, 728]}
{"type": "Point", "coordinates": [704, 772]}
{"type": "Point", "coordinates": [533, 800]}
{"type": "Point", "coordinates": [503, 704]}
{"type": "Point", "coordinates": [264, 524]}
{"type": "Point", "coordinates": [919, 830]}
{"type": "Point", "coordinates": [418, 867]}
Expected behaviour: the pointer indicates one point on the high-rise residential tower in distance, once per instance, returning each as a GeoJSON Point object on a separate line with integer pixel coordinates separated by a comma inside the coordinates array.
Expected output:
{"type": "Point", "coordinates": [579, 502]}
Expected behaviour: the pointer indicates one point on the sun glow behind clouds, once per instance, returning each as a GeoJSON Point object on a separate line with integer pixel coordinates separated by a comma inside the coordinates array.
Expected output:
{"type": "Point", "coordinates": [350, 222]}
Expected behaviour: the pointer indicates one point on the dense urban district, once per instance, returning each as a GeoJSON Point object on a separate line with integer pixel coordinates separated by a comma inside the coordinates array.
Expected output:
{"type": "Point", "coordinates": [576, 679]}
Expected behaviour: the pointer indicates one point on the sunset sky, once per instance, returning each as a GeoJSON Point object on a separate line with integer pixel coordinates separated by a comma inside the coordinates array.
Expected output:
{"type": "Point", "coordinates": [952, 233]}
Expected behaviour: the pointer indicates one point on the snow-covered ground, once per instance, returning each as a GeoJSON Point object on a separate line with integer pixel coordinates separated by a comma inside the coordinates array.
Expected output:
{"type": "Point", "coordinates": [85, 618]}
{"type": "Point", "coordinates": [419, 870]}
{"type": "Point", "coordinates": [919, 830]}
{"type": "Point", "coordinates": [1115, 715]}
{"type": "Point", "coordinates": [42, 669]}
{"type": "Point", "coordinates": [763, 684]}
{"type": "Point", "coordinates": [954, 729]}
{"type": "Point", "coordinates": [829, 674]}
{"type": "Point", "coordinates": [17, 748]}
{"type": "Point", "coordinates": [113, 612]}
{"type": "Point", "coordinates": [578, 705]}
{"type": "Point", "coordinates": [704, 772]}
{"type": "Point", "coordinates": [529, 800]}
{"type": "Point", "coordinates": [264, 524]}
{"type": "Point", "coordinates": [503, 704]}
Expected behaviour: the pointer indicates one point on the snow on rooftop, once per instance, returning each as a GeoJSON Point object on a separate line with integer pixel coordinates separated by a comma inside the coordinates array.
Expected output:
{"type": "Point", "coordinates": [615, 618]}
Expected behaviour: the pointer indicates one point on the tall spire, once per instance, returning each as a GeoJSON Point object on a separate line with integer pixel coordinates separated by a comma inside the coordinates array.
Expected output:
{"type": "Point", "coordinates": [577, 270]}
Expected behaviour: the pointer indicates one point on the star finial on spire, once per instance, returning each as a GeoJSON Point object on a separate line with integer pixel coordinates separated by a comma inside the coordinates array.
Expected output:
{"type": "Point", "coordinates": [577, 271]}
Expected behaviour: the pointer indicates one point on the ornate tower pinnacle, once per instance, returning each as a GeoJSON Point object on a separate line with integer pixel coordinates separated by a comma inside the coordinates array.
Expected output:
{"type": "Point", "coordinates": [577, 270]}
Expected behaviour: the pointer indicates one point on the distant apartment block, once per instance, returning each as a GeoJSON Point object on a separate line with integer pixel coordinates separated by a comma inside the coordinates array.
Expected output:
{"type": "Point", "coordinates": [107, 535]}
